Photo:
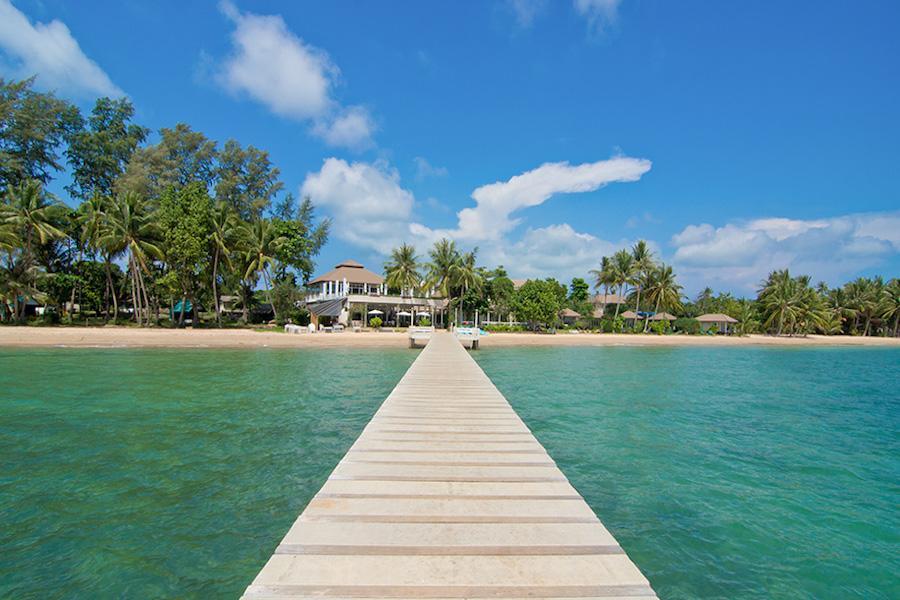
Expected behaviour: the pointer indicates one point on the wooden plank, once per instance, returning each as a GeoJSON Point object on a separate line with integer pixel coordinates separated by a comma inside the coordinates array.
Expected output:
{"type": "Point", "coordinates": [447, 494]}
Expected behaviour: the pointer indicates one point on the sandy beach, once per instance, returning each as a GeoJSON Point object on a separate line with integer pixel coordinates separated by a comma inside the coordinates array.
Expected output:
{"type": "Point", "coordinates": [125, 337]}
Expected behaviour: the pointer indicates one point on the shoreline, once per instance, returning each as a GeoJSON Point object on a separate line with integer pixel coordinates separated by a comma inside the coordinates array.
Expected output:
{"type": "Point", "coordinates": [128, 337]}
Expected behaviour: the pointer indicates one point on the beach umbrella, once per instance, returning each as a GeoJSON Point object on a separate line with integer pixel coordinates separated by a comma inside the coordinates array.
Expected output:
{"type": "Point", "coordinates": [375, 311]}
{"type": "Point", "coordinates": [423, 314]}
{"type": "Point", "coordinates": [403, 313]}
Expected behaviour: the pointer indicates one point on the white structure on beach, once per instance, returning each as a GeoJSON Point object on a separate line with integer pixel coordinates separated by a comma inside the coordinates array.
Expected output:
{"type": "Point", "coordinates": [718, 320]}
{"type": "Point", "coordinates": [351, 294]}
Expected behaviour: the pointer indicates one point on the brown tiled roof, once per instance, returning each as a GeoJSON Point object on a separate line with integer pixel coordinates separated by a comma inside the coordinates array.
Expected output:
{"type": "Point", "coordinates": [352, 271]}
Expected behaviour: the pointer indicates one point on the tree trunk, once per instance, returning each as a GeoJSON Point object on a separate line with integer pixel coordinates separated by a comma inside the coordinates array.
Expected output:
{"type": "Point", "coordinates": [268, 294]}
{"type": "Point", "coordinates": [617, 304]}
{"type": "Point", "coordinates": [215, 289]}
{"type": "Point", "coordinates": [135, 298]}
{"type": "Point", "coordinates": [112, 290]}
{"type": "Point", "coordinates": [181, 311]}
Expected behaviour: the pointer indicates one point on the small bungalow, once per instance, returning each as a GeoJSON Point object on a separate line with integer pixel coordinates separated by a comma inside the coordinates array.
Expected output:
{"type": "Point", "coordinates": [606, 303]}
{"type": "Point", "coordinates": [569, 316]}
{"type": "Point", "coordinates": [663, 316]}
{"type": "Point", "coordinates": [718, 320]}
{"type": "Point", "coordinates": [631, 318]}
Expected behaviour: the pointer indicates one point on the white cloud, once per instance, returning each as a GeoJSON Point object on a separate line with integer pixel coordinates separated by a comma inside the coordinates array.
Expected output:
{"type": "Point", "coordinates": [292, 78]}
{"type": "Point", "coordinates": [740, 255]}
{"type": "Point", "coordinates": [368, 206]}
{"type": "Point", "coordinates": [490, 219]}
{"type": "Point", "coordinates": [553, 251]}
{"type": "Point", "coordinates": [525, 11]}
{"type": "Point", "coordinates": [599, 13]}
{"type": "Point", "coordinates": [351, 128]}
{"type": "Point", "coordinates": [425, 169]}
{"type": "Point", "coordinates": [49, 51]}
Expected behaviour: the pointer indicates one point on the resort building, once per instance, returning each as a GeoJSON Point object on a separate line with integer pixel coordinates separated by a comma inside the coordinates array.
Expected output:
{"type": "Point", "coordinates": [350, 294]}
{"type": "Point", "coordinates": [718, 320]}
{"type": "Point", "coordinates": [604, 303]}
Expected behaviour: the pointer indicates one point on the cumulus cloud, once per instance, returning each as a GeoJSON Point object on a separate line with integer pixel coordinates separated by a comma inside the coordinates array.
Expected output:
{"type": "Point", "coordinates": [556, 250]}
{"type": "Point", "coordinates": [739, 255]}
{"type": "Point", "coordinates": [369, 207]}
{"type": "Point", "coordinates": [491, 217]}
{"type": "Point", "coordinates": [372, 210]}
{"type": "Point", "coordinates": [425, 169]}
{"type": "Point", "coordinates": [49, 51]}
{"type": "Point", "coordinates": [276, 68]}
{"type": "Point", "coordinates": [600, 14]}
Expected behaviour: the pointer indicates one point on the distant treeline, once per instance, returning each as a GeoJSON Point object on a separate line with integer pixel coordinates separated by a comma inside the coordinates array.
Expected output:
{"type": "Point", "coordinates": [785, 305]}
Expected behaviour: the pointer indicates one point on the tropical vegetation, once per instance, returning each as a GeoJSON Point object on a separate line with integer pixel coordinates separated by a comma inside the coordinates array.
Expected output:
{"type": "Point", "coordinates": [147, 226]}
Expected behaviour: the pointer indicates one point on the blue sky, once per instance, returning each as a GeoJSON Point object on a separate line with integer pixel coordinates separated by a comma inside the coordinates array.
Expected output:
{"type": "Point", "coordinates": [735, 137]}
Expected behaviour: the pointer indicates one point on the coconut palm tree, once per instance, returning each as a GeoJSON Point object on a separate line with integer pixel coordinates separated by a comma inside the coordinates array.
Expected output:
{"type": "Point", "coordinates": [891, 304]}
{"type": "Point", "coordinates": [466, 274]}
{"type": "Point", "coordinates": [642, 265]}
{"type": "Point", "coordinates": [132, 229]}
{"type": "Point", "coordinates": [403, 269]}
{"type": "Point", "coordinates": [32, 215]}
{"type": "Point", "coordinates": [93, 221]}
{"type": "Point", "coordinates": [262, 245]}
{"type": "Point", "coordinates": [622, 272]}
{"type": "Point", "coordinates": [442, 267]}
{"type": "Point", "coordinates": [663, 290]}
{"type": "Point", "coordinates": [778, 299]}
{"type": "Point", "coordinates": [225, 231]}
{"type": "Point", "coordinates": [604, 277]}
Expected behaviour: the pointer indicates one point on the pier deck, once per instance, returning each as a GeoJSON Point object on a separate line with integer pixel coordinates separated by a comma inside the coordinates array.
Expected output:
{"type": "Point", "coordinates": [447, 494]}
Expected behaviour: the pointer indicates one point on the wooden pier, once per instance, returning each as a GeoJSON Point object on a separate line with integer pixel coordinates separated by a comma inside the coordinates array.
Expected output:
{"type": "Point", "coordinates": [447, 494]}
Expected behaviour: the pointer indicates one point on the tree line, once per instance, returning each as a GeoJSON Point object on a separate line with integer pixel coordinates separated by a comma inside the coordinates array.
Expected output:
{"type": "Point", "coordinates": [183, 220]}
{"type": "Point", "coordinates": [784, 304]}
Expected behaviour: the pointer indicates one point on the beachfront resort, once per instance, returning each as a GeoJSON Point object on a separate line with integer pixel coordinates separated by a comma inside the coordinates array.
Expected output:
{"type": "Point", "coordinates": [501, 299]}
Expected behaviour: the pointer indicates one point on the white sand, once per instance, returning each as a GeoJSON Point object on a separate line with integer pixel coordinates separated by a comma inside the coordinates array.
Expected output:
{"type": "Point", "coordinates": [245, 338]}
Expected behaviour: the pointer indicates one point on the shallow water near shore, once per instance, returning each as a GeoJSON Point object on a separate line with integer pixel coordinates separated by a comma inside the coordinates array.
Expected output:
{"type": "Point", "coordinates": [724, 472]}
{"type": "Point", "coordinates": [732, 472]}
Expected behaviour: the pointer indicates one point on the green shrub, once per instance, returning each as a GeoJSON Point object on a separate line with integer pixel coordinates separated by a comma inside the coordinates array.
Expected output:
{"type": "Point", "coordinates": [424, 322]}
{"type": "Point", "coordinates": [687, 325]}
{"type": "Point", "coordinates": [375, 322]}
{"type": "Point", "coordinates": [659, 327]}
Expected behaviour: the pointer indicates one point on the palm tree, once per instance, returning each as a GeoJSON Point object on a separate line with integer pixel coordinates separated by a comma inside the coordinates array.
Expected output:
{"type": "Point", "coordinates": [133, 230]}
{"type": "Point", "coordinates": [262, 245]}
{"type": "Point", "coordinates": [31, 214]}
{"type": "Point", "coordinates": [892, 304]}
{"type": "Point", "coordinates": [93, 222]}
{"type": "Point", "coordinates": [862, 298]}
{"type": "Point", "coordinates": [778, 299]}
{"type": "Point", "coordinates": [604, 277]}
{"type": "Point", "coordinates": [642, 265]}
{"type": "Point", "coordinates": [225, 230]}
{"type": "Point", "coordinates": [466, 274]}
{"type": "Point", "coordinates": [403, 269]}
{"type": "Point", "coordinates": [18, 280]}
{"type": "Point", "coordinates": [622, 272]}
{"type": "Point", "coordinates": [662, 289]}
{"type": "Point", "coordinates": [442, 267]}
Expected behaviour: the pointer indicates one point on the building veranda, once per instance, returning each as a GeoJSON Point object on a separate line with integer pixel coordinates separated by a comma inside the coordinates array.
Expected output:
{"type": "Point", "coordinates": [351, 295]}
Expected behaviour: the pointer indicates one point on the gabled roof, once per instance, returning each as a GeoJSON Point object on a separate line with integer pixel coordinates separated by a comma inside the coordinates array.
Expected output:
{"type": "Point", "coordinates": [663, 316]}
{"type": "Point", "coordinates": [517, 283]}
{"type": "Point", "coordinates": [608, 299]}
{"type": "Point", "coordinates": [352, 271]}
{"type": "Point", "coordinates": [630, 314]}
{"type": "Point", "coordinates": [568, 312]}
{"type": "Point", "coordinates": [716, 318]}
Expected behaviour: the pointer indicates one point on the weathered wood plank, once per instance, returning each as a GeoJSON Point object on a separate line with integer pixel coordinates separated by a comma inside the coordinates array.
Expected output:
{"type": "Point", "coordinates": [447, 494]}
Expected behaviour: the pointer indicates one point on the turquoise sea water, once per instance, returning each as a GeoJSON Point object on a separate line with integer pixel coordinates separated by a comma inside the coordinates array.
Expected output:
{"type": "Point", "coordinates": [168, 473]}
{"type": "Point", "coordinates": [725, 473]}
{"type": "Point", "coordinates": [728, 472]}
